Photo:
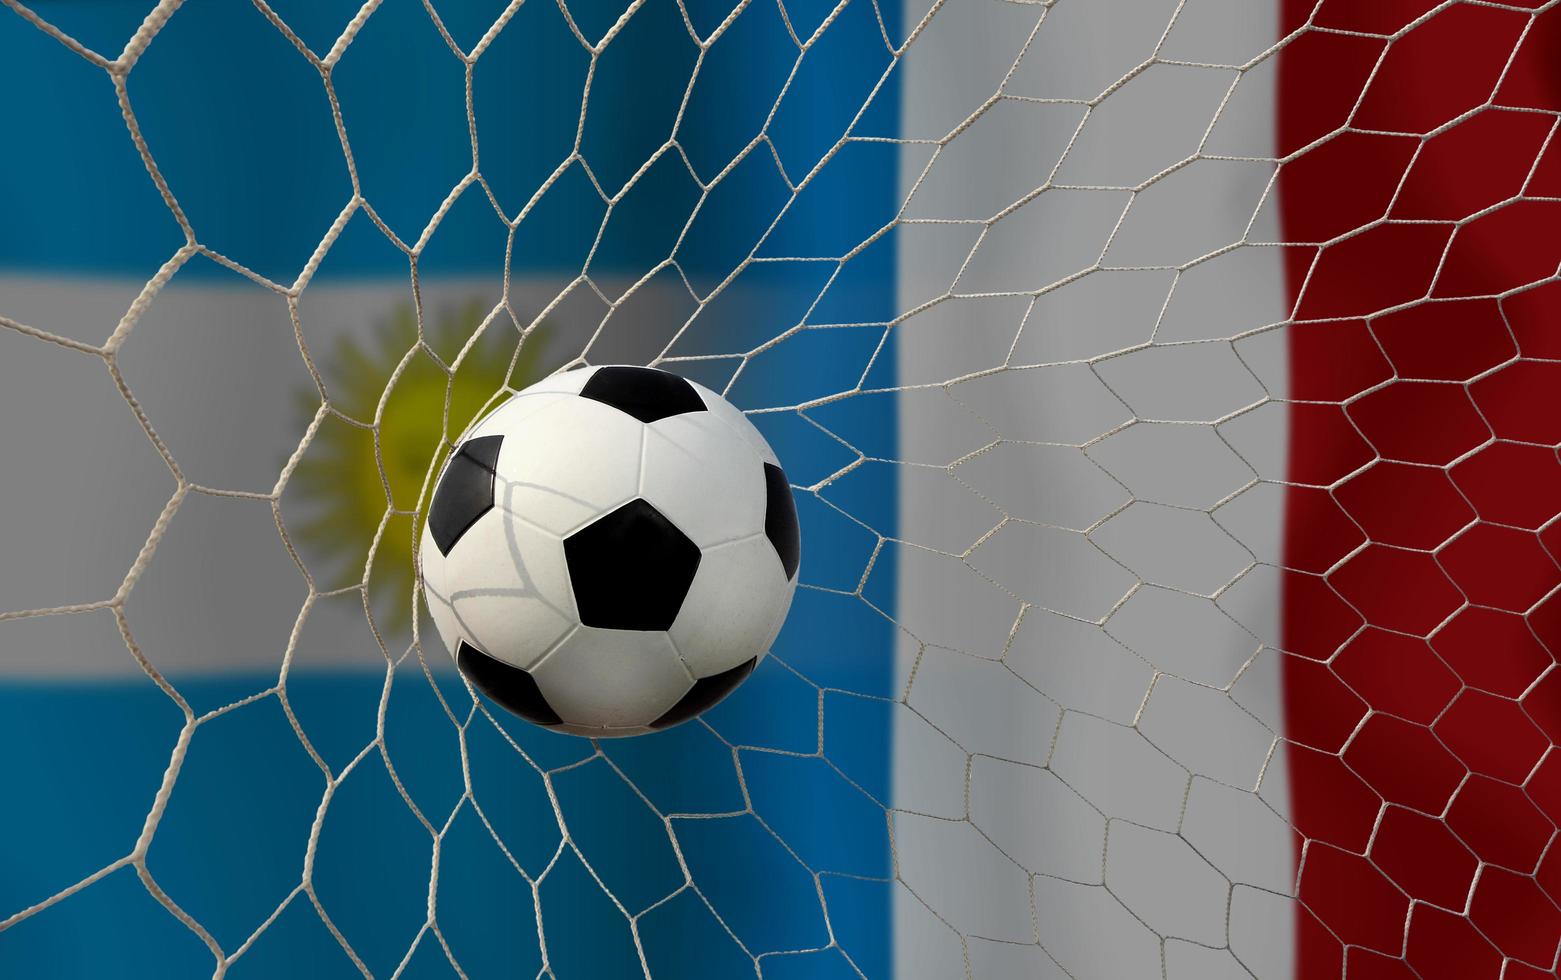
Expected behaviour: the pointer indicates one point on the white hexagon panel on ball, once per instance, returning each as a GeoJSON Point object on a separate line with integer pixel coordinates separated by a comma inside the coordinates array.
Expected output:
{"type": "Point", "coordinates": [611, 551]}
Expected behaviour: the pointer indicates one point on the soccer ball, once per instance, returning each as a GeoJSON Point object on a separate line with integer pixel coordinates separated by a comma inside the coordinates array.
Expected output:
{"type": "Point", "coordinates": [611, 551]}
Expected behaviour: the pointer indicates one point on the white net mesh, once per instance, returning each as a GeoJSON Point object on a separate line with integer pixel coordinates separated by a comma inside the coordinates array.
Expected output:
{"type": "Point", "coordinates": [1065, 440]}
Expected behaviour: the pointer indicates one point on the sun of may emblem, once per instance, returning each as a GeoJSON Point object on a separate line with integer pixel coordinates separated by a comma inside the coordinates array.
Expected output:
{"type": "Point", "coordinates": [343, 477]}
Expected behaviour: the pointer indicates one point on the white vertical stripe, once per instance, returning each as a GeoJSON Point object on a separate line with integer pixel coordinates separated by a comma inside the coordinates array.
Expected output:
{"type": "Point", "coordinates": [1077, 797]}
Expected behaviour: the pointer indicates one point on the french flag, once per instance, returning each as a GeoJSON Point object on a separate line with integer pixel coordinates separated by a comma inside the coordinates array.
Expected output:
{"type": "Point", "coordinates": [1169, 390]}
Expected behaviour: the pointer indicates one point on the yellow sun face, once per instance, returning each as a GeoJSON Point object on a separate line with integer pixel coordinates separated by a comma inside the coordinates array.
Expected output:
{"type": "Point", "coordinates": [345, 473]}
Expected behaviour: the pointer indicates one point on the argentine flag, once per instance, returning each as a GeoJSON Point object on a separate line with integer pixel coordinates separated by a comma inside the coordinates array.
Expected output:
{"type": "Point", "coordinates": [1168, 389]}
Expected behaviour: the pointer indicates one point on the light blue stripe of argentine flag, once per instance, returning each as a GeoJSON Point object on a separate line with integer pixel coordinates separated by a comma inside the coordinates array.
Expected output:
{"type": "Point", "coordinates": [240, 126]}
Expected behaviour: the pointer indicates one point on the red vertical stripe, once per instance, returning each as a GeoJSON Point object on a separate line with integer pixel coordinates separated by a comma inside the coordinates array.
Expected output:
{"type": "Point", "coordinates": [1421, 615]}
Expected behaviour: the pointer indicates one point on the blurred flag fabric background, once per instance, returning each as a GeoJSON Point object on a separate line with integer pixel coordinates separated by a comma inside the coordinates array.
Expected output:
{"type": "Point", "coordinates": [1167, 389]}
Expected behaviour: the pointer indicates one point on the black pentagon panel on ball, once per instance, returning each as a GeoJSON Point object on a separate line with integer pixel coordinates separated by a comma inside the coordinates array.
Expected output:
{"type": "Point", "coordinates": [704, 694]}
{"type": "Point", "coordinates": [509, 687]}
{"type": "Point", "coordinates": [465, 492]}
{"type": "Point", "coordinates": [645, 393]}
{"type": "Point", "coordinates": [630, 569]}
{"type": "Point", "coordinates": [780, 519]}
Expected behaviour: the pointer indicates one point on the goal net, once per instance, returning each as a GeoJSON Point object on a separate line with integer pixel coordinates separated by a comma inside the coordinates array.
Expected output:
{"type": "Point", "coordinates": [1168, 392]}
